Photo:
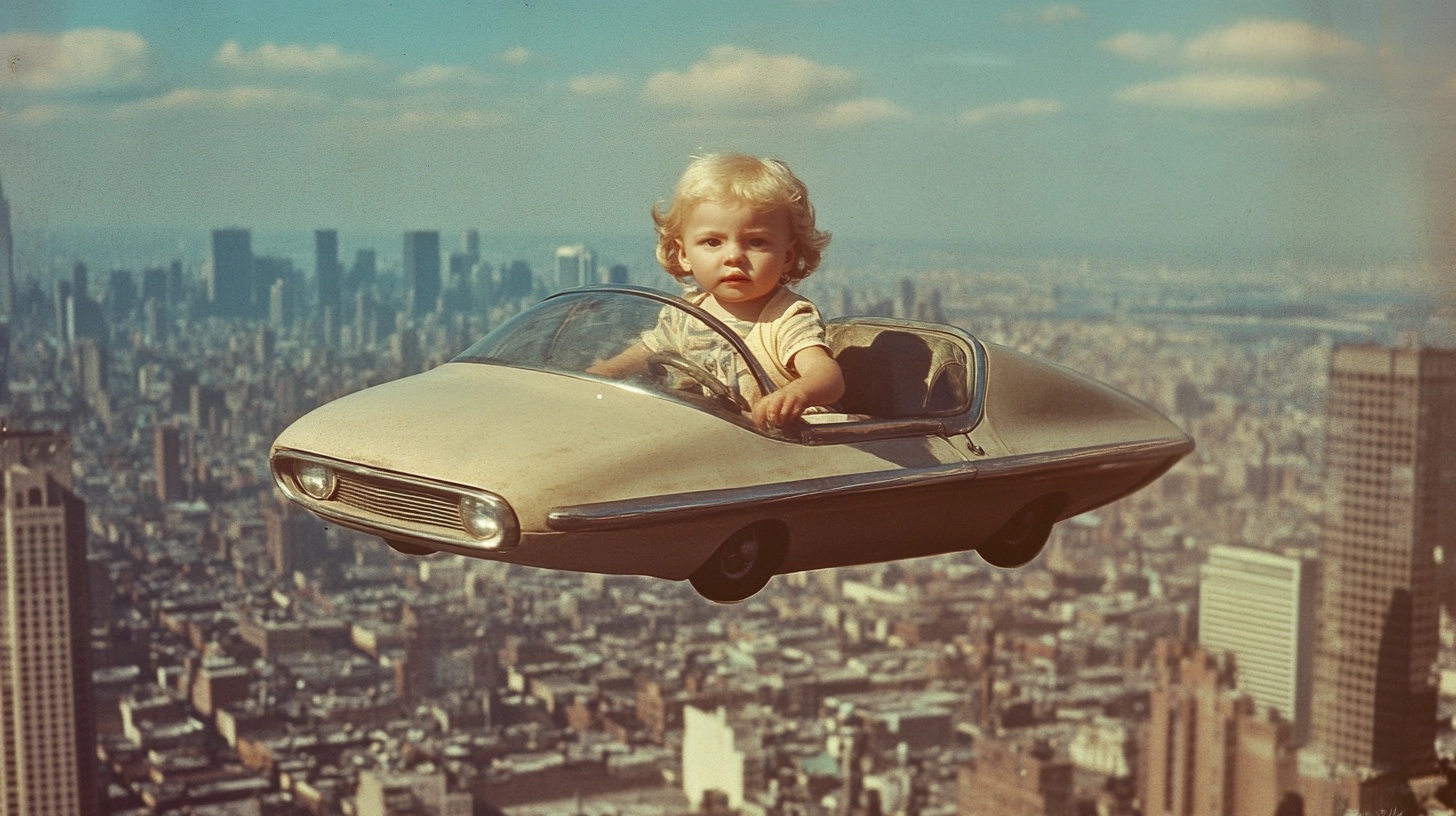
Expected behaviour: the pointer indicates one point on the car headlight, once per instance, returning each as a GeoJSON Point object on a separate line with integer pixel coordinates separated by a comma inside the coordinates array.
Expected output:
{"type": "Point", "coordinates": [485, 518]}
{"type": "Point", "coordinates": [318, 481]}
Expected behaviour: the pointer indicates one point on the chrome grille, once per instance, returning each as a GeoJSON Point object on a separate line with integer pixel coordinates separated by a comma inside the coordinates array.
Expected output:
{"type": "Point", "coordinates": [399, 501]}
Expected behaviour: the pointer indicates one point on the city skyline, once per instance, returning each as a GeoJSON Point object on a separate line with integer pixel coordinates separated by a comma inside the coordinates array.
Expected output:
{"type": "Point", "coordinates": [1245, 128]}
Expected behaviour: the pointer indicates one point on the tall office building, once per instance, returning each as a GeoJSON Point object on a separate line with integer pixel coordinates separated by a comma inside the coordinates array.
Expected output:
{"type": "Point", "coordinates": [422, 270]}
{"type": "Point", "coordinates": [470, 243]}
{"type": "Point", "coordinates": [327, 271]}
{"type": "Point", "coordinates": [575, 266]}
{"type": "Point", "coordinates": [1206, 750]}
{"type": "Point", "coordinates": [1390, 461]}
{"type": "Point", "coordinates": [167, 458]}
{"type": "Point", "coordinates": [1259, 607]}
{"type": "Point", "coordinates": [47, 740]}
{"type": "Point", "coordinates": [230, 273]}
{"type": "Point", "coordinates": [7, 261]}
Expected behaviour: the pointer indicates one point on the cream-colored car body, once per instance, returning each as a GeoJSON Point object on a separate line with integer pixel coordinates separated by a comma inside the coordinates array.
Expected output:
{"type": "Point", "coordinates": [607, 476]}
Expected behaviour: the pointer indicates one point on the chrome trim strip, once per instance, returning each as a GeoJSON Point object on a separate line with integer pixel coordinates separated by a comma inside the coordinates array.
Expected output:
{"type": "Point", "coordinates": [678, 507]}
{"type": "Point", "coordinates": [1077, 458]}
{"type": "Point", "coordinates": [865, 430]}
{"type": "Point", "coordinates": [379, 524]}
{"type": "Point", "coordinates": [615, 515]}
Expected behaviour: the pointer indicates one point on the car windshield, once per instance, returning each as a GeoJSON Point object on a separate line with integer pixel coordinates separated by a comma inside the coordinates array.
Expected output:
{"type": "Point", "coordinates": [646, 339]}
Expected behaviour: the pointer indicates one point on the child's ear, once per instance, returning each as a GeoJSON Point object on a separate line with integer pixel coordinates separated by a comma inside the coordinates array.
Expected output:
{"type": "Point", "coordinates": [682, 257]}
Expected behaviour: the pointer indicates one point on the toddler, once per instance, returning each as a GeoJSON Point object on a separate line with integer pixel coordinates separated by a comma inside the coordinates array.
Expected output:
{"type": "Point", "coordinates": [739, 231]}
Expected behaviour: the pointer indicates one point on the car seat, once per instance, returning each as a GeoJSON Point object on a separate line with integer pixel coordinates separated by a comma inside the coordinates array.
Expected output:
{"type": "Point", "coordinates": [895, 373]}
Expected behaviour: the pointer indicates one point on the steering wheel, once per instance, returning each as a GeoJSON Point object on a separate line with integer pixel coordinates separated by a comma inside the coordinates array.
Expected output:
{"type": "Point", "coordinates": [660, 360]}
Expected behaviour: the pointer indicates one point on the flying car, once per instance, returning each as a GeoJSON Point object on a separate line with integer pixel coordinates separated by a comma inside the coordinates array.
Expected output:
{"type": "Point", "coordinates": [516, 451]}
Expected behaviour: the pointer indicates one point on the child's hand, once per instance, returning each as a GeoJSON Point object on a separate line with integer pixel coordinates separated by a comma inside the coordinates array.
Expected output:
{"type": "Point", "coordinates": [780, 408]}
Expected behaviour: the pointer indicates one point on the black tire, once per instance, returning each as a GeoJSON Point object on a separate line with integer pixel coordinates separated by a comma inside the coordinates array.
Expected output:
{"type": "Point", "coordinates": [1021, 539]}
{"type": "Point", "coordinates": [743, 564]}
{"type": "Point", "coordinates": [409, 549]}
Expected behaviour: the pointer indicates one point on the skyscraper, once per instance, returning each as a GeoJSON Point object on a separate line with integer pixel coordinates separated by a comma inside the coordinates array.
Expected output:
{"type": "Point", "coordinates": [422, 270]}
{"type": "Point", "coordinates": [167, 458]}
{"type": "Point", "coordinates": [47, 740]}
{"type": "Point", "coordinates": [1260, 608]}
{"type": "Point", "coordinates": [1390, 461]}
{"type": "Point", "coordinates": [230, 278]}
{"type": "Point", "coordinates": [7, 261]}
{"type": "Point", "coordinates": [575, 266]}
{"type": "Point", "coordinates": [1206, 751]}
{"type": "Point", "coordinates": [327, 271]}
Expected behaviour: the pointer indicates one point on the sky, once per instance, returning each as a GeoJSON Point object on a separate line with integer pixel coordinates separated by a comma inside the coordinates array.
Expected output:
{"type": "Point", "coordinates": [1208, 128]}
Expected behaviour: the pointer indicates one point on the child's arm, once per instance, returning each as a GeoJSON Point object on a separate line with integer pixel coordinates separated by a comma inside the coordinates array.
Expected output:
{"type": "Point", "coordinates": [820, 382]}
{"type": "Point", "coordinates": [632, 360]}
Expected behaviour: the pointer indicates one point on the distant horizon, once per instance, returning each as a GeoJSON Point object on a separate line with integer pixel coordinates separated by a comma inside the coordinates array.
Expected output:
{"type": "Point", "coordinates": [126, 245]}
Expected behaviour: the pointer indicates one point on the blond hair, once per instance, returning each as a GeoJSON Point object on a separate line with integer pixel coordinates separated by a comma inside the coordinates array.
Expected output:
{"type": "Point", "coordinates": [761, 185]}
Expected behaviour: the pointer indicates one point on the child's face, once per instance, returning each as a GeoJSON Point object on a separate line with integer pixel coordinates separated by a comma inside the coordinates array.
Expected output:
{"type": "Point", "coordinates": [735, 253]}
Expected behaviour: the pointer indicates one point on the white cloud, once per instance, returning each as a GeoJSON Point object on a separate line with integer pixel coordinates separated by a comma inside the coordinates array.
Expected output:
{"type": "Point", "coordinates": [1139, 46]}
{"type": "Point", "coordinates": [432, 75]}
{"type": "Point", "coordinates": [271, 58]}
{"type": "Point", "coordinates": [517, 55]}
{"type": "Point", "coordinates": [1270, 41]}
{"type": "Point", "coordinates": [1051, 15]}
{"type": "Point", "coordinates": [1003, 111]}
{"type": "Point", "coordinates": [83, 59]}
{"type": "Point", "coordinates": [745, 79]}
{"type": "Point", "coordinates": [241, 97]}
{"type": "Point", "coordinates": [595, 84]}
{"type": "Point", "coordinates": [862, 111]}
{"type": "Point", "coordinates": [1224, 92]}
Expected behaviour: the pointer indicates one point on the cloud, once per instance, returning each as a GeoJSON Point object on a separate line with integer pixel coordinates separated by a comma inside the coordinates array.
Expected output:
{"type": "Point", "coordinates": [301, 59]}
{"type": "Point", "coordinates": [433, 75]}
{"type": "Point", "coordinates": [243, 97]}
{"type": "Point", "coordinates": [745, 79]}
{"type": "Point", "coordinates": [862, 111]}
{"type": "Point", "coordinates": [1224, 92]}
{"type": "Point", "coordinates": [1139, 46]}
{"type": "Point", "coordinates": [517, 55]}
{"type": "Point", "coordinates": [79, 60]}
{"type": "Point", "coordinates": [1004, 111]}
{"type": "Point", "coordinates": [595, 84]}
{"type": "Point", "coordinates": [1052, 15]}
{"type": "Point", "coordinates": [1270, 41]}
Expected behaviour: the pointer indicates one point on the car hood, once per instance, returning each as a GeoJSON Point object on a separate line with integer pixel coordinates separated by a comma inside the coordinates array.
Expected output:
{"type": "Point", "coordinates": [540, 439]}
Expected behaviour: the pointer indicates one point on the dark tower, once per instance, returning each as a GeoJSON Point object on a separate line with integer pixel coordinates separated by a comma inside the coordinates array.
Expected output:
{"type": "Point", "coordinates": [1390, 462]}
{"type": "Point", "coordinates": [327, 271]}
{"type": "Point", "coordinates": [422, 270]}
{"type": "Point", "coordinates": [230, 284]}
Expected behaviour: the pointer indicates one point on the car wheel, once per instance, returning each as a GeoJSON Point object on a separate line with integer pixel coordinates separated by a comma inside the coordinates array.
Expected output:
{"type": "Point", "coordinates": [1022, 537]}
{"type": "Point", "coordinates": [409, 549]}
{"type": "Point", "coordinates": [743, 564]}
